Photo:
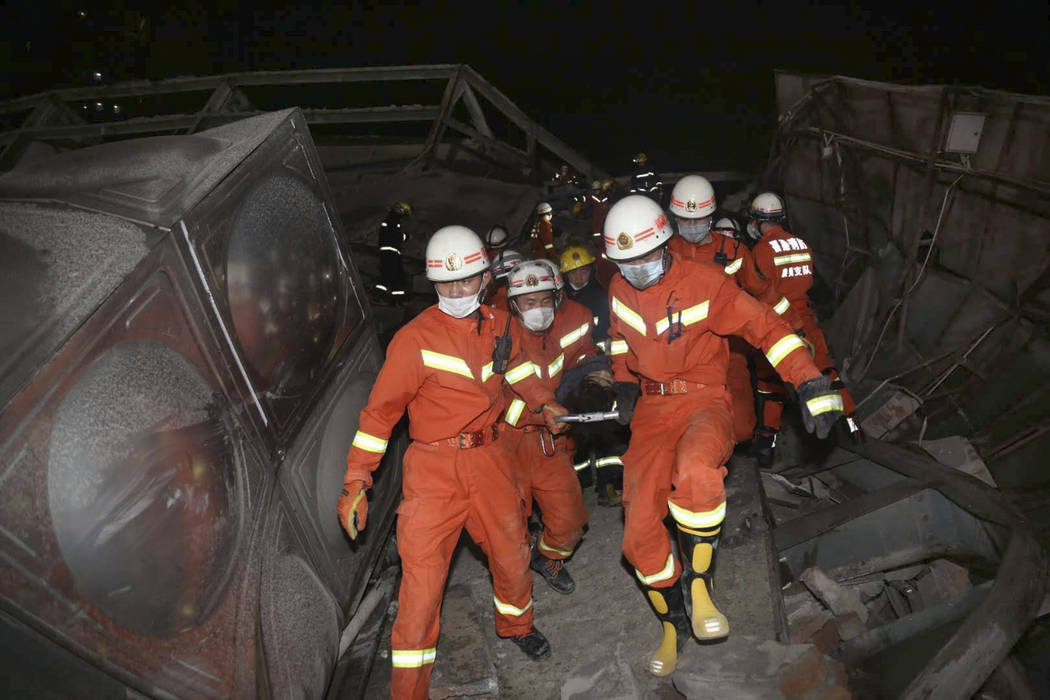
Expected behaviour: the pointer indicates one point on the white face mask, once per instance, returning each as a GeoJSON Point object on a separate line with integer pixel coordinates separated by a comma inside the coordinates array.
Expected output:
{"type": "Point", "coordinates": [538, 319]}
{"type": "Point", "coordinates": [695, 230]}
{"type": "Point", "coordinates": [643, 275]}
{"type": "Point", "coordinates": [574, 287]}
{"type": "Point", "coordinates": [460, 307]}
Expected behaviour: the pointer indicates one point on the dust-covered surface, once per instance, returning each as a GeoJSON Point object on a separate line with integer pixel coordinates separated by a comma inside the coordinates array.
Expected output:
{"type": "Point", "coordinates": [142, 489]}
{"type": "Point", "coordinates": [56, 266]}
{"type": "Point", "coordinates": [601, 635]}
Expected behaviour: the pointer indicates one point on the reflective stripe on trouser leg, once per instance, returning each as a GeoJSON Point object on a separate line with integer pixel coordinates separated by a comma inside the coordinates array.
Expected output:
{"type": "Point", "coordinates": [553, 484]}
{"type": "Point", "coordinates": [647, 467]}
{"type": "Point", "coordinates": [427, 533]}
{"type": "Point", "coordinates": [497, 523]}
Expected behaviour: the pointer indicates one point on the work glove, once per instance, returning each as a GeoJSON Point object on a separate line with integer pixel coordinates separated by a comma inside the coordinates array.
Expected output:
{"type": "Point", "coordinates": [550, 412]}
{"type": "Point", "coordinates": [353, 508]}
{"type": "Point", "coordinates": [626, 395]}
{"type": "Point", "coordinates": [821, 406]}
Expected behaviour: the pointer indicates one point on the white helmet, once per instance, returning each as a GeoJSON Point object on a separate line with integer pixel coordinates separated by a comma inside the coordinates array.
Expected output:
{"type": "Point", "coordinates": [693, 198]}
{"type": "Point", "coordinates": [559, 281]}
{"type": "Point", "coordinates": [455, 253]}
{"type": "Point", "coordinates": [767, 207]}
{"type": "Point", "coordinates": [635, 226]}
{"type": "Point", "coordinates": [531, 276]}
{"type": "Point", "coordinates": [544, 208]}
{"type": "Point", "coordinates": [505, 261]}
{"type": "Point", "coordinates": [496, 238]}
{"type": "Point", "coordinates": [727, 227]}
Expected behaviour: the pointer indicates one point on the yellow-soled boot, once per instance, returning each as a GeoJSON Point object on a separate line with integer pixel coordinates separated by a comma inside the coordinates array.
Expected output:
{"type": "Point", "coordinates": [670, 608]}
{"type": "Point", "coordinates": [698, 549]}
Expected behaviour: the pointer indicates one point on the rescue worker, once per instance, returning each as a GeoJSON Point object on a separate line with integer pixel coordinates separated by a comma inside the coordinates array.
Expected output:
{"type": "Point", "coordinates": [496, 240]}
{"type": "Point", "coordinates": [577, 267]}
{"type": "Point", "coordinates": [598, 199]}
{"type": "Point", "coordinates": [644, 180]}
{"type": "Point", "coordinates": [693, 206]}
{"type": "Point", "coordinates": [554, 335]}
{"type": "Point", "coordinates": [440, 367]}
{"type": "Point", "coordinates": [496, 293]}
{"type": "Point", "coordinates": [391, 283]}
{"type": "Point", "coordinates": [781, 275]}
{"type": "Point", "coordinates": [669, 320]}
{"type": "Point", "coordinates": [543, 232]}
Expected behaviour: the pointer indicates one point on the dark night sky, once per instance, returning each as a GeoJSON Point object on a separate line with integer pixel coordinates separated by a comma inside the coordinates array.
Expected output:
{"type": "Point", "coordinates": [690, 84]}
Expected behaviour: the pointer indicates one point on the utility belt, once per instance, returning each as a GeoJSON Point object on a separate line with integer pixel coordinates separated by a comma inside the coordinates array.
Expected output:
{"type": "Point", "coordinates": [469, 439]}
{"type": "Point", "coordinates": [675, 386]}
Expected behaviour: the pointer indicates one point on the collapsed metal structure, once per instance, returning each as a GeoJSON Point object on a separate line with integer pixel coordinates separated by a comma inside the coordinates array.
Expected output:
{"type": "Point", "coordinates": [466, 107]}
{"type": "Point", "coordinates": [899, 225]}
{"type": "Point", "coordinates": [928, 208]}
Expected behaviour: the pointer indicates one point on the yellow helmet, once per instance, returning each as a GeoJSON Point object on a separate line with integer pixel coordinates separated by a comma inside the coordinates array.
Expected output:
{"type": "Point", "coordinates": [607, 184]}
{"type": "Point", "coordinates": [575, 257]}
{"type": "Point", "coordinates": [640, 158]}
{"type": "Point", "coordinates": [403, 208]}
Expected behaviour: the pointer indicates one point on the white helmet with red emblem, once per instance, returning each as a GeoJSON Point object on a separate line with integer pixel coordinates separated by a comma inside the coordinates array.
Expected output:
{"type": "Point", "coordinates": [635, 226]}
{"type": "Point", "coordinates": [693, 197]}
{"type": "Point", "coordinates": [531, 276]}
{"type": "Point", "coordinates": [455, 253]}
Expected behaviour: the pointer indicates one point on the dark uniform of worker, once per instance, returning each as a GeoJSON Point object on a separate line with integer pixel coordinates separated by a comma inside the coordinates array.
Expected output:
{"type": "Point", "coordinates": [391, 272]}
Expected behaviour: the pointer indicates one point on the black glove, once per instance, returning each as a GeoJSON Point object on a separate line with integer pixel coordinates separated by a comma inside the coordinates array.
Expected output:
{"type": "Point", "coordinates": [821, 406]}
{"type": "Point", "coordinates": [626, 394]}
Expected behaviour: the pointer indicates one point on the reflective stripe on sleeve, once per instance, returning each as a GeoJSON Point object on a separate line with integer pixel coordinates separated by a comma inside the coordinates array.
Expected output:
{"type": "Point", "coordinates": [369, 443]}
{"type": "Point", "coordinates": [548, 246]}
{"type": "Point", "coordinates": [662, 575]}
{"type": "Point", "coordinates": [733, 267]}
{"type": "Point", "coordinates": [580, 466]}
{"type": "Point", "coordinates": [608, 462]}
{"type": "Point", "coordinates": [508, 609]}
{"type": "Point", "coordinates": [631, 318]}
{"type": "Point", "coordinates": [782, 306]}
{"type": "Point", "coordinates": [705, 519]}
{"type": "Point", "coordinates": [791, 259]}
{"type": "Point", "coordinates": [694, 314]}
{"type": "Point", "coordinates": [824, 403]}
{"type": "Point", "coordinates": [523, 370]}
{"type": "Point", "coordinates": [571, 337]}
{"type": "Point", "coordinates": [555, 367]}
{"type": "Point", "coordinates": [784, 347]}
{"type": "Point", "coordinates": [447, 363]}
{"type": "Point", "coordinates": [412, 658]}
{"type": "Point", "coordinates": [543, 545]}
{"type": "Point", "coordinates": [514, 411]}
{"type": "Point", "coordinates": [618, 347]}
{"type": "Point", "coordinates": [486, 372]}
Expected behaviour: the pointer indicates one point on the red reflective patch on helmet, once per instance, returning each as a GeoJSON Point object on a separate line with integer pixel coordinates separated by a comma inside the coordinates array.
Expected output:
{"type": "Point", "coordinates": [676, 203]}
{"type": "Point", "coordinates": [661, 221]}
{"type": "Point", "coordinates": [435, 263]}
{"type": "Point", "coordinates": [474, 257]}
{"type": "Point", "coordinates": [647, 233]}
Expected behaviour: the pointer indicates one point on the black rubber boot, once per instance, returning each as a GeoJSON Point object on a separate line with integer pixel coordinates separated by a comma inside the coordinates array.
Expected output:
{"type": "Point", "coordinates": [670, 609]}
{"type": "Point", "coordinates": [534, 644]}
{"type": "Point", "coordinates": [698, 548]}
{"type": "Point", "coordinates": [763, 448]}
{"type": "Point", "coordinates": [553, 572]}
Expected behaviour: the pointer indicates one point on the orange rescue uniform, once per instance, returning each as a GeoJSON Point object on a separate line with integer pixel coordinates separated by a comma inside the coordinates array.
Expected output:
{"type": "Point", "coordinates": [733, 256]}
{"type": "Point", "coordinates": [497, 297]}
{"type": "Point", "coordinates": [671, 337]}
{"type": "Point", "coordinates": [439, 368]}
{"type": "Point", "coordinates": [543, 240]}
{"type": "Point", "coordinates": [781, 276]}
{"type": "Point", "coordinates": [542, 463]}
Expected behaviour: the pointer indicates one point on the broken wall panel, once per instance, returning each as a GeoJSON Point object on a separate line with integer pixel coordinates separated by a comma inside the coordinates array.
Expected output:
{"type": "Point", "coordinates": [963, 330]}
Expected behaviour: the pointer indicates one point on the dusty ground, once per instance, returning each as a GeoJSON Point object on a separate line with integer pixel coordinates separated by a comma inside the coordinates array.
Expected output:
{"type": "Point", "coordinates": [603, 633]}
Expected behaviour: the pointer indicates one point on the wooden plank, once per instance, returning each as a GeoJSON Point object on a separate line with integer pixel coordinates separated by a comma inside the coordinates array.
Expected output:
{"type": "Point", "coordinates": [477, 117]}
